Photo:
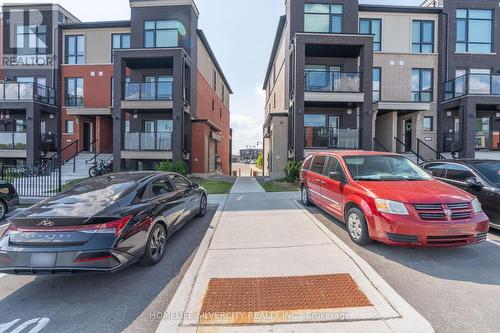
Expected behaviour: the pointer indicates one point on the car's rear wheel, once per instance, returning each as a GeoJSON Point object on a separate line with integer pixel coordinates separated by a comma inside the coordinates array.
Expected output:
{"type": "Point", "coordinates": [203, 206]}
{"type": "Point", "coordinates": [357, 227]}
{"type": "Point", "coordinates": [155, 247]}
{"type": "Point", "coordinates": [304, 195]}
{"type": "Point", "coordinates": [3, 209]}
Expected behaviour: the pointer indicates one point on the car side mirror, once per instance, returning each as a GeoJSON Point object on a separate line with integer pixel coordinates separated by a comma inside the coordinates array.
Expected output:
{"type": "Point", "coordinates": [195, 185]}
{"type": "Point", "coordinates": [337, 176]}
{"type": "Point", "coordinates": [473, 182]}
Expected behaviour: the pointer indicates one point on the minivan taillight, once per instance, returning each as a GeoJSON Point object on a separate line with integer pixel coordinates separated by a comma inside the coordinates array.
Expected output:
{"type": "Point", "coordinates": [117, 226]}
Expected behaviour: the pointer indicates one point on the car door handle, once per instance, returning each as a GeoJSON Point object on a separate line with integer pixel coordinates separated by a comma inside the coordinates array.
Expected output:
{"type": "Point", "coordinates": [323, 182]}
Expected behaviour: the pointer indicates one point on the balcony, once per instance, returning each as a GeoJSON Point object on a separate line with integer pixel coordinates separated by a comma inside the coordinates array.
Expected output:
{"type": "Point", "coordinates": [159, 141]}
{"type": "Point", "coordinates": [13, 141]}
{"type": "Point", "coordinates": [472, 84]}
{"type": "Point", "coordinates": [73, 101]}
{"type": "Point", "coordinates": [148, 95]}
{"type": "Point", "coordinates": [18, 91]}
{"type": "Point", "coordinates": [333, 86]}
{"type": "Point", "coordinates": [331, 138]}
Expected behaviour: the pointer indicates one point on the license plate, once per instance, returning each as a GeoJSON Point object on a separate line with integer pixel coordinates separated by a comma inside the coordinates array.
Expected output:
{"type": "Point", "coordinates": [43, 260]}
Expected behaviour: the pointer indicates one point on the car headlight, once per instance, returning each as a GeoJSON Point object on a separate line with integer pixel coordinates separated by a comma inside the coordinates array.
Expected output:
{"type": "Point", "coordinates": [476, 205]}
{"type": "Point", "coordinates": [391, 207]}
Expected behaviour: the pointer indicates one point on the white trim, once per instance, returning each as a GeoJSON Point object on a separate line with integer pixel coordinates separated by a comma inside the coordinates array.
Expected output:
{"type": "Point", "coordinates": [325, 197]}
{"type": "Point", "coordinates": [404, 106]}
{"type": "Point", "coordinates": [334, 97]}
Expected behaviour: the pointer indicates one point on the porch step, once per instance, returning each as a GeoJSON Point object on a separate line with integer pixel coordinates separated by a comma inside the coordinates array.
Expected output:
{"type": "Point", "coordinates": [81, 167]}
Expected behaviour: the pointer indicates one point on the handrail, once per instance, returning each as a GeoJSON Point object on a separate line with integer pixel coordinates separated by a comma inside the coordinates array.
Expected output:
{"type": "Point", "coordinates": [378, 143]}
{"type": "Point", "coordinates": [419, 157]}
{"type": "Point", "coordinates": [439, 156]}
{"type": "Point", "coordinates": [59, 154]}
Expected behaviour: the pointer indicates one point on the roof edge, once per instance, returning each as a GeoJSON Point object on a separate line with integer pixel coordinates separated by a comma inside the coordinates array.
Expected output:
{"type": "Point", "coordinates": [96, 25]}
{"type": "Point", "coordinates": [399, 9]}
{"type": "Point", "coordinates": [277, 39]}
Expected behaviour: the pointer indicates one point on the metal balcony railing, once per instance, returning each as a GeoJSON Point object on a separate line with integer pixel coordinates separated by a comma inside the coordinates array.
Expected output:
{"type": "Point", "coordinates": [158, 141]}
{"type": "Point", "coordinates": [472, 84]}
{"type": "Point", "coordinates": [19, 91]}
{"type": "Point", "coordinates": [148, 91]}
{"type": "Point", "coordinates": [73, 101]}
{"type": "Point", "coordinates": [331, 138]}
{"type": "Point", "coordinates": [13, 141]}
{"type": "Point", "coordinates": [333, 81]}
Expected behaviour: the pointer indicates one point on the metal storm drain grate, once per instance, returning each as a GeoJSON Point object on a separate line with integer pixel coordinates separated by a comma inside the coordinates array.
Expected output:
{"type": "Point", "coordinates": [282, 294]}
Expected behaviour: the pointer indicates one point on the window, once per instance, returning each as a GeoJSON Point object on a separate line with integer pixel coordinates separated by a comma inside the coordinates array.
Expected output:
{"type": "Point", "coordinates": [372, 27]}
{"type": "Point", "coordinates": [214, 80]}
{"type": "Point", "coordinates": [307, 163]}
{"type": "Point", "coordinates": [428, 123]}
{"type": "Point", "coordinates": [213, 105]}
{"type": "Point", "coordinates": [68, 127]}
{"type": "Point", "coordinates": [332, 165]}
{"type": "Point", "coordinates": [127, 126]}
{"type": "Point", "coordinates": [20, 125]}
{"type": "Point", "coordinates": [161, 187]}
{"type": "Point", "coordinates": [223, 93]}
{"type": "Point", "coordinates": [318, 163]}
{"type": "Point", "coordinates": [119, 41]}
{"type": "Point", "coordinates": [75, 54]}
{"type": "Point", "coordinates": [422, 85]}
{"type": "Point", "coordinates": [474, 30]}
{"type": "Point", "coordinates": [180, 182]}
{"type": "Point", "coordinates": [458, 173]}
{"type": "Point", "coordinates": [31, 40]}
{"type": "Point", "coordinates": [112, 91]}
{"type": "Point", "coordinates": [423, 36]}
{"type": "Point", "coordinates": [323, 18]}
{"type": "Point", "coordinates": [73, 91]}
{"type": "Point", "coordinates": [436, 169]}
{"type": "Point", "coordinates": [161, 34]}
{"type": "Point", "coordinates": [377, 76]}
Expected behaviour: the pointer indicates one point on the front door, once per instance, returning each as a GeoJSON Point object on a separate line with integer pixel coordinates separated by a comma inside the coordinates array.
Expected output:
{"type": "Point", "coordinates": [483, 133]}
{"type": "Point", "coordinates": [87, 137]}
{"type": "Point", "coordinates": [148, 139]}
{"type": "Point", "coordinates": [408, 134]}
{"type": "Point", "coordinates": [333, 129]}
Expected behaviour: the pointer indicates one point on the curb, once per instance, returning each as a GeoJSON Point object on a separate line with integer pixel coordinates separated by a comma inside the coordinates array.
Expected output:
{"type": "Point", "coordinates": [412, 321]}
{"type": "Point", "coordinates": [174, 315]}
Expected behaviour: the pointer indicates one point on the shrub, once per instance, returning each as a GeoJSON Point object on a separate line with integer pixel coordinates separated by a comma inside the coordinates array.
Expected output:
{"type": "Point", "coordinates": [260, 161]}
{"type": "Point", "coordinates": [292, 171]}
{"type": "Point", "coordinates": [179, 167]}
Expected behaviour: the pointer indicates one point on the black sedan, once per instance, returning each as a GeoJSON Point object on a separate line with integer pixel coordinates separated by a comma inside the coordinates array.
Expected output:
{"type": "Point", "coordinates": [9, 199]}
{"type": "Point", "coordinates": [479, 177]}
{"type": "Point", "coordinates": [102, 225]}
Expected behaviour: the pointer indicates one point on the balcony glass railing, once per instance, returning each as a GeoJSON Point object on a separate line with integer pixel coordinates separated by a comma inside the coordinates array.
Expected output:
{"type": "Point", "coordinates": [149, 91]}
{"type": "Point", "coordinates": [12, 141]}
{"type": "Point", "coordinates": [19, 91]}
{"type": "Point", "coordinates": [73, 101]}
{"type": "Point", "coordinates": [159, 141]}
{"type": "Point", "coordinates": [333, 81]}
{"type": "Point", "coordinates": [331, 138]}
{"type": "Point", "coordinates": [472, 84]}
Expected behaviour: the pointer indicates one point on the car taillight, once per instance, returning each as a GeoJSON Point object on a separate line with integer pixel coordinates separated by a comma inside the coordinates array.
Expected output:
{"type": "Point", "coordinates": [117, 226]}
{"type": "Point", "coordinates": [9, 230]}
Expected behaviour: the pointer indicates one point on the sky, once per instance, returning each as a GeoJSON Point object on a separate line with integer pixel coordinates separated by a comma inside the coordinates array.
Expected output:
{"type": "Point", "coordinates": [241, 34]}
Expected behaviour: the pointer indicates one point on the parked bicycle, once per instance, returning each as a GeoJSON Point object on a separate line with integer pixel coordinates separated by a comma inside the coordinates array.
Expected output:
{"type": "Point", "coordinates": [100, 169]}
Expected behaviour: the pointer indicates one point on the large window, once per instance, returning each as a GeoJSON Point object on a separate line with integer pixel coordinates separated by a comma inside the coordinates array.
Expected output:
{"type": "Point", "coordinates": [323, 18]}
{"type": "Point", "coordinates": [74, 91]}
{"type": "Point", "coordinates": [422, 85]}
{"type": "Point", "coordinates": [423, 36]}
{"type": "Point", "coordinates": [161, 33]}
{"type": "Point", "coordinates": [474, 30]}
{"type": "Point", "coordinates": [377, 76]}
{"type": "Point", "coordinates": [75, 53]}
{"type": "Point", "coordinates": [31, 40]}
{"type": "Point", "coordinates": [372, 27]}
{"type": "Point", "coordinates": [119, 41]}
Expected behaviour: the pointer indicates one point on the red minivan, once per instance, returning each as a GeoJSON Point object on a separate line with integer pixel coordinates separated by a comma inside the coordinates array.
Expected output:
{"type": "Point", "coordinates": [388, 198]}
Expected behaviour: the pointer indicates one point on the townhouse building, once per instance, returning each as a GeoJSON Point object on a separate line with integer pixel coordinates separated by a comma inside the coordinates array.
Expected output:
{"type": "Point", "coordinates": [344, 75]}
{"type": "Point", "coordinates": [141, 91]}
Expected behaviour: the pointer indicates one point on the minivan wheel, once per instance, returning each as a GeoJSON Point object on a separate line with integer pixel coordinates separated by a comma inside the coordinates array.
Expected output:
{"type": "Point", "coordinates": [304, 195]}
{"type": "Point", "coordinates": [155, 247]}
{"type": "Point", "coordinates": [357, 227]}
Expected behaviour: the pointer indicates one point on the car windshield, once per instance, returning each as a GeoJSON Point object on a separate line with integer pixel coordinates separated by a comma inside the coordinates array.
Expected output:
{"type": "Point", "coordinates": [384, 168]}
{"type": "Point", "coordinates": [490, 171]}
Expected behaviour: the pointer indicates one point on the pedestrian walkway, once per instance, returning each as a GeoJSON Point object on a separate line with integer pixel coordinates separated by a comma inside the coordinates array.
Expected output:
{"type": "Point", "coordinates": [246, 185]}
{"type": "Point", "coordinates": [267, 265]}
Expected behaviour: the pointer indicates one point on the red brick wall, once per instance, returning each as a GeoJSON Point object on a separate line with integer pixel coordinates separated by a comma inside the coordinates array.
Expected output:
{"type": "Point", "coordinates": [204, 109]}
{"type": "Point", "coordinates": [201, 133]}
{"type": "Point", "coordinates": [104, 134]}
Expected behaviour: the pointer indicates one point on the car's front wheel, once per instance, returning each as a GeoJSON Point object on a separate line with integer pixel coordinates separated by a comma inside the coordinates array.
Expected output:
{"type": "Point", "coordinates": [155, 247]}
{"type": "Point", "coordinates": [203, 206]}
{"type": "Point", "coordinates": [357, 227]}
{"type": "Point", "coordinates": [304, 195]}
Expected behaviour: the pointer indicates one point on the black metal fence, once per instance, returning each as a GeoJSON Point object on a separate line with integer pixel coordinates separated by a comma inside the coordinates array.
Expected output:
{"type": "Point", "coordinates": [43, 180]}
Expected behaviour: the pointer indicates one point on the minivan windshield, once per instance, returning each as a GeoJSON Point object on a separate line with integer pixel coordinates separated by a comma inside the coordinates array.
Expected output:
{"type": "Point", "coordinates": [384, 168]}
{"type": "Point", "coordinates": [489, 170]}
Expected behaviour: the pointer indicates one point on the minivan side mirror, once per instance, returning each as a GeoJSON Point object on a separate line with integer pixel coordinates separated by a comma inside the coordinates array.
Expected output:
{"type": "Point", "coordinates": [473, 182]}
{"type": "Point", "coordinates": [337, 176]}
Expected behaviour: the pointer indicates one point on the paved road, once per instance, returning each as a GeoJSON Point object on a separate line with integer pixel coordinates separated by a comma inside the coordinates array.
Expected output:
{"type": "Point", "coordinates": [457, 290]}
{"type": "Point", "coordinates": [126, 301]}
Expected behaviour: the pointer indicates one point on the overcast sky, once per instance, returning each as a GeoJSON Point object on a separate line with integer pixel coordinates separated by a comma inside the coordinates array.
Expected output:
{"type": "Point", "coordinates": [240, 32]}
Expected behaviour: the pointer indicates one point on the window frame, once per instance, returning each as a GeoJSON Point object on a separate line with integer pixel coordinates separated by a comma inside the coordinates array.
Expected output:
{"type": "Point", "coordinates": [75, 92]}
{"type": "Point", "coordinates": [459, 165]}
{"type": "Point", "coordinates": [467, 21]}
{"type": "Point", "coordinates": [330, 15]}
{"type": "Point", "coordinates": [155, 33]}
{"type": "Point", "coordinates": [420, 91]}
{"type": "Point", "coordinates": [113, 48]}
{"type": "Point", "coordinates": [188, 182]}
{"type": "Point", "coordinates": [379, 91]}
{"type": "Point", "coordinates": [370, 21]}
{"type": "Point", "coordinates": [75, 56]}
{"type": "Point", "coordinates": [26, 39]}
{"type": "Point", "coordinates": [421, 43]}
{"type": "Point", "coordinates": [66, 127]}
{"type": "Point", "coordinates": [314, 160]}
{"type": "Point", "coordinates": [431, 128]}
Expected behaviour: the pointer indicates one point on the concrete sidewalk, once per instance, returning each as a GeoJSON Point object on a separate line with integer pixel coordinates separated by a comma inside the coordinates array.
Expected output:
{"type": "Point", "coordinates": [246, 185]}
{"type": "Point", "coordinates": [269, 235]}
